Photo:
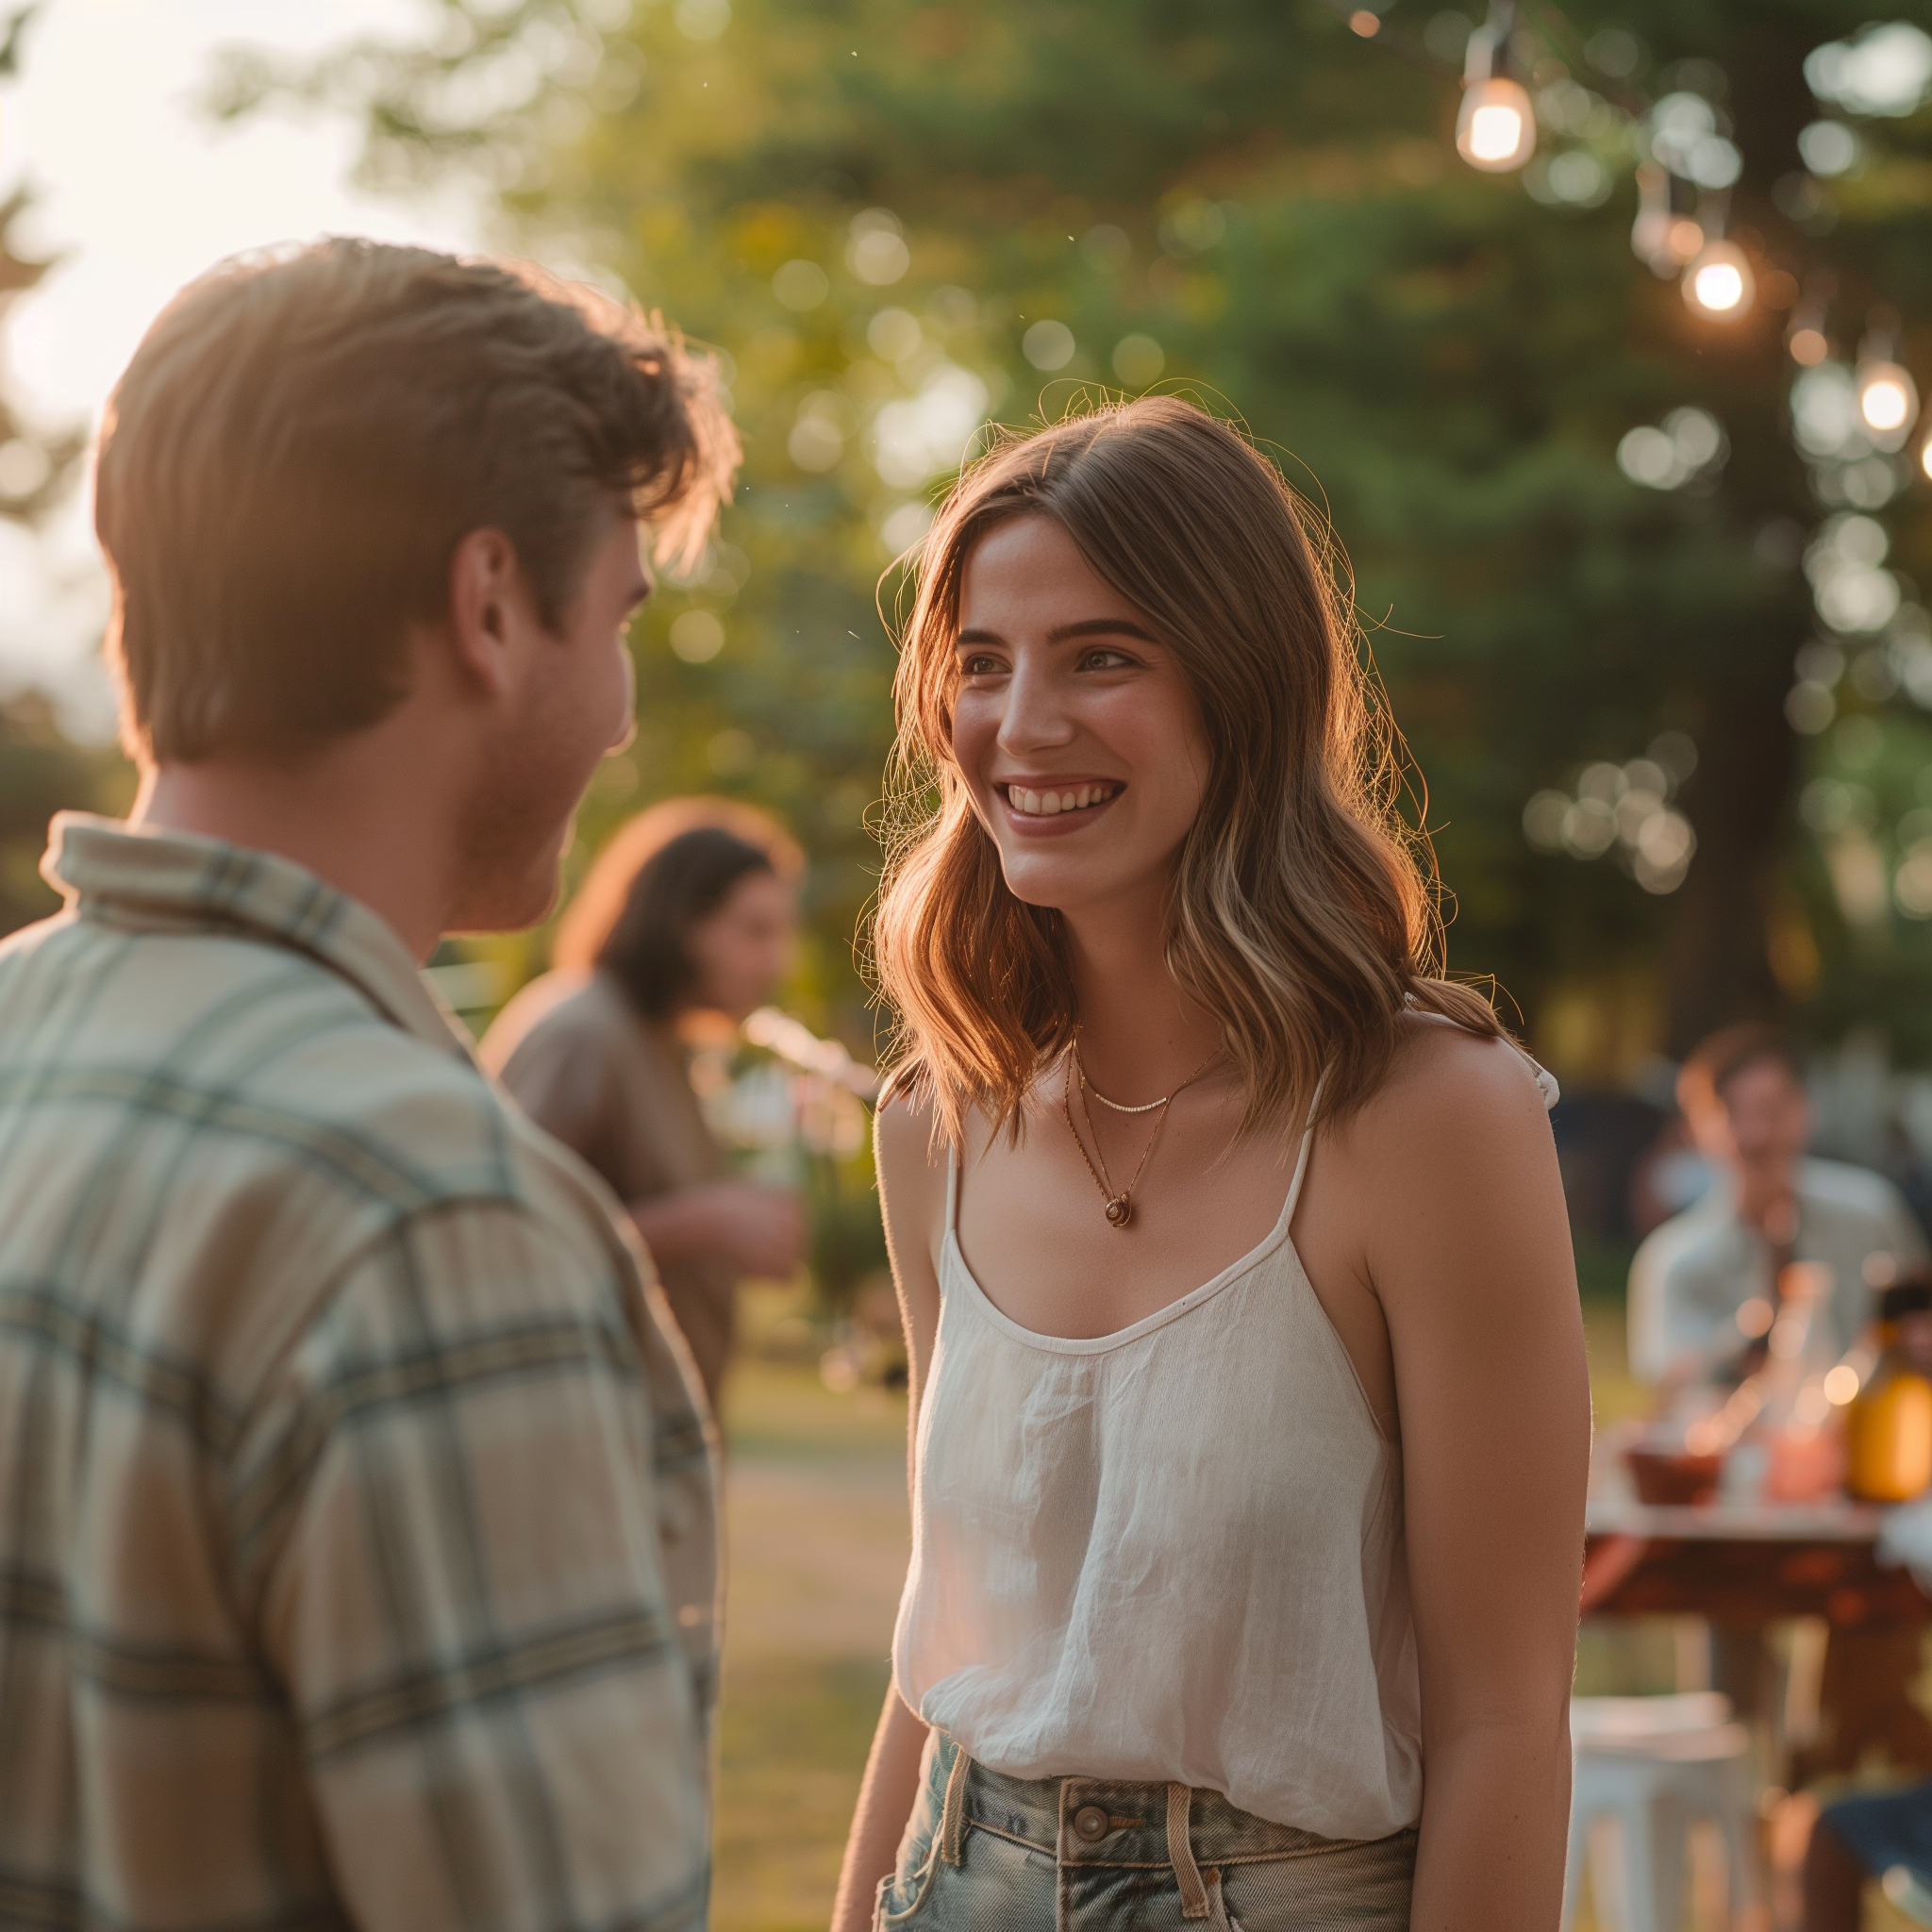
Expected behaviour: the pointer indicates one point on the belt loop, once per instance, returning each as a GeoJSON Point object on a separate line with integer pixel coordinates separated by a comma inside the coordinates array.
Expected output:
{"type": "Point", "coordinates": [1180, 1852]}
{"type": "Point", "coordinates": [953, 1815]}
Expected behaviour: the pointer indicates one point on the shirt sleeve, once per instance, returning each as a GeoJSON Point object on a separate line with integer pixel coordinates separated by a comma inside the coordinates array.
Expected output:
{"type": "Point", "coordinates": [448, 1520]}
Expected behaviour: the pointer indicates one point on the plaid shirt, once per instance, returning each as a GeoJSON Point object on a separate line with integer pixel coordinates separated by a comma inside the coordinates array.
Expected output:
{"type": "Point", "coordinates": [358, 1537]}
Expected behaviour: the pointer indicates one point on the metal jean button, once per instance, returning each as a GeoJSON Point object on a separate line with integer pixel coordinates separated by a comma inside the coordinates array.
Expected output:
{"type": "Point", "coordinates": [1089, 1822]}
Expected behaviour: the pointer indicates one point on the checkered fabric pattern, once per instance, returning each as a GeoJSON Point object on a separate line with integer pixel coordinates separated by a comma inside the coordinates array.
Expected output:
{"type": "Point", "coordinates": [357, 1529]}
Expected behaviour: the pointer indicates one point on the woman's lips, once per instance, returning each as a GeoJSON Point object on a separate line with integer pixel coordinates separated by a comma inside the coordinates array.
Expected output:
{"type": "Point", "coordinates": [1051, 811]}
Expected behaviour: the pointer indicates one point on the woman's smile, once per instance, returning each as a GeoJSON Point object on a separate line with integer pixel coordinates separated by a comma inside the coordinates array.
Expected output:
{"type": "Point", "coordinates": [1049, 806]}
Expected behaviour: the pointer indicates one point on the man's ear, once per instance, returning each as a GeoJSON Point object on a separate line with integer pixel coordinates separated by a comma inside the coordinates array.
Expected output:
{"type": "Point", "coordinates": [489, 605]}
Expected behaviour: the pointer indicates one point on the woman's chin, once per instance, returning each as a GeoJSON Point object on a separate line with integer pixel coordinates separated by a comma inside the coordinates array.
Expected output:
{"type": "Point", "coordinates": [1060, 884]}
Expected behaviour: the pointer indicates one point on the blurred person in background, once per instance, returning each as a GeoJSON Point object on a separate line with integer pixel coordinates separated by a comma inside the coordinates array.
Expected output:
{"type": "Point", "coordinates": [357, 1518]}
{"type": "Point", "coordinates": [690, 909]}
{"type": "Point", "coordinates": [1704, 1286]}
{"type": "Point", "coordinates": [1862, 1838]}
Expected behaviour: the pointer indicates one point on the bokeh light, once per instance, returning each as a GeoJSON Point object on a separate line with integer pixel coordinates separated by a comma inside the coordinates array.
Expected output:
{"type": "Point", "coordinates": [1496, 129]}
{"type": "Point", "coordinates": [1717, 283]}
{"type": "Point", "coordinates": [1888, 401]}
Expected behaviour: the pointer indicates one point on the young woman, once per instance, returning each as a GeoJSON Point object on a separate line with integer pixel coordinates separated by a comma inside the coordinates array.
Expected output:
{"type": "Point", "coordinates": [692, 908]}
{"type": "Point", "coordinates": [1250, 1414]}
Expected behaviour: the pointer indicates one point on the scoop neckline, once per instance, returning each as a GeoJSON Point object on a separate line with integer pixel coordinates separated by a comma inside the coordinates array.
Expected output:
{"type": "Point", "coordinates": [1100, 1344]}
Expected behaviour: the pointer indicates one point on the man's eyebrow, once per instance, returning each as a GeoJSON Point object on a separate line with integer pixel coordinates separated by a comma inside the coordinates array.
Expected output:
{"type": "Point", "coordinates": [1086, 628]}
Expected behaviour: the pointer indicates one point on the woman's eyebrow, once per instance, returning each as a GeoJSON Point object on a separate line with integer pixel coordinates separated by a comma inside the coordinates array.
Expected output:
{"type": "Point", "coordinates": [1086, 628]}
{"type": "Point", "coordinates": [1101, 627]}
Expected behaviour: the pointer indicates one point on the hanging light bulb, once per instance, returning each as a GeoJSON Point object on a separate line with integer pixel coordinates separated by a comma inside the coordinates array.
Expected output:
{"type": "Point", "coordinates": [1925, 456]}
{"type": "Point", "coordinates": [1719, 284]}
{"type": "Point", "coordinates": [1496, 129]}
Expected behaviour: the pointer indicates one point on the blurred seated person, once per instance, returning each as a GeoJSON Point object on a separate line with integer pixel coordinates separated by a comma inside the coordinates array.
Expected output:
{"type": "Point", "coordinates": [1744, 1103]}
{"type": "Point", "coordinates": [690, 909]}
{"type": "Point", "coordinates": [1859, 1840]}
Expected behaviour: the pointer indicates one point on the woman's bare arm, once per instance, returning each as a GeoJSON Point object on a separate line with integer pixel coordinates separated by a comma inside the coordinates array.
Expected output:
{"type": "Point", "coordinates": [1468, 1250]}
{"type": "Point", "coordinates": [912, 1192]}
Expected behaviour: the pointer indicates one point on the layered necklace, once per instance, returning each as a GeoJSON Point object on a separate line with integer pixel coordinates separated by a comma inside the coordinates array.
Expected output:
{"type": "Point", "coordinates": [1120, 1204]}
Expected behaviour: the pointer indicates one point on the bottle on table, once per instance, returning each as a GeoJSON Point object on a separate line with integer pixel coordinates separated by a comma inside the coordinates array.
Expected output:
{"type": "Point", "coordinates": [1888, 1424]}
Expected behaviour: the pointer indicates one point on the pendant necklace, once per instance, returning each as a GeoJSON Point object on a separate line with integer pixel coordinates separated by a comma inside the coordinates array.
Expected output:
{"type": "Point", "coordinates": [1120, 1207]}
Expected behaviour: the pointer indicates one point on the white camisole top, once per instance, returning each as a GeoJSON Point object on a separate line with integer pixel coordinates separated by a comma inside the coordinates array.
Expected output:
{"type": "Point", "coordinates": [1172, 1554]}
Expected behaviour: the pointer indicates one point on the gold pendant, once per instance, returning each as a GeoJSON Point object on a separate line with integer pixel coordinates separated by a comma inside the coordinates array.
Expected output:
{"type": "Point", "coordinates": [1120, 1211]}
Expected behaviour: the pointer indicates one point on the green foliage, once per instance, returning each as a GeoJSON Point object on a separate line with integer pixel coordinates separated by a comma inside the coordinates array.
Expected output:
{"type": "Point", "coordinates": [41, 773]}
{"type": "Point", "coordinates": [1442, 361]}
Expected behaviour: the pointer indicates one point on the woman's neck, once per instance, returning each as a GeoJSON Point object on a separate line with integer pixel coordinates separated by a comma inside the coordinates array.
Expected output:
{"type": "Point", "coordinates": [1140, 1036]}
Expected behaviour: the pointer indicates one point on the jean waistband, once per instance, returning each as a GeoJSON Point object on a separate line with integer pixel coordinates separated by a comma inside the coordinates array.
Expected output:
{"type": "Point", "coordinates": [1084, 1821]}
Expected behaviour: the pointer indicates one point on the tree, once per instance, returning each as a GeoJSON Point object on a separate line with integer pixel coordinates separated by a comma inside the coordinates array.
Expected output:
{"type": "Point", "coordinates": [892, 220]}
{"type": "Point", "coordinates": [40, 772]}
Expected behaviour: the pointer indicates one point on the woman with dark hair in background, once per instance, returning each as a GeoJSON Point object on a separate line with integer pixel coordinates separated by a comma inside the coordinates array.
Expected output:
{"type": "Point", "coordinates": [690, 908]}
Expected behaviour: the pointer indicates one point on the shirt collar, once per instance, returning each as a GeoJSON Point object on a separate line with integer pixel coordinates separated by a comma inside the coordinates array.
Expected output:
{"type": "Point", "coordinates": [152, 878]}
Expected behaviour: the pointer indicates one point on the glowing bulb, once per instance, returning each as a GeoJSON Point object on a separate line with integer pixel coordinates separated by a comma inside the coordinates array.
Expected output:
{"type": "Point", "coordinates": [1888, 401]}
{"type": "Point", "coordinates": [1809, 346]}
{"type": "Point", "coordinates": [1496, 128]}
{"type": "Point", "coordinates": [1882, 405]}
{"type": "Point", "coordinates": [1841, 1384]}
{"type": "Point", "coordinates": [1494, 131]}
{"type": "Point", "coordinates": [1925, 456]}
{"type": "Point", "coordinates": [1719, 284]}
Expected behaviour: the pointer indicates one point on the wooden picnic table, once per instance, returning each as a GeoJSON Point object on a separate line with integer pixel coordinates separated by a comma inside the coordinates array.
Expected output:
{"type": "Point", "coordinates": [1745, 1567]}
{"type": "Point", "coordinates": [1745, 1563]}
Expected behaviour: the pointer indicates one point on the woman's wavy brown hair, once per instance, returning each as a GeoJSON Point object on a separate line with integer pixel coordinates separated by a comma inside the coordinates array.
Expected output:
{"type": "Point", "coordinates": [1304, 913]}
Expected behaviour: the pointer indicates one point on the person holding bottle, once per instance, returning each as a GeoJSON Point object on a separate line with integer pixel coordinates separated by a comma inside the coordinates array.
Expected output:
{"type": "Point", "coordinates": [1704, 1287]}
{"type": "Point", "coordinates": [692, 908]}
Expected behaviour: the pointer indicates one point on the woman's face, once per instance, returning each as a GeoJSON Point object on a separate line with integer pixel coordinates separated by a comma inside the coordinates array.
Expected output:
{"type": "Point", "coordinates": [742, 950]}
{"type": "Point", "coordinates": [1072, 725]}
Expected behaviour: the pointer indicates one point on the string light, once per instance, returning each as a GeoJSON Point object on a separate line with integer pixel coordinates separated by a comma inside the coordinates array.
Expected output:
{"type": "Point", "coordinates": [1887, 397]}
{"type": "Point", "coordinates": [1719, 284]}
{"type": "Point", "coordinates": [1495, 129]}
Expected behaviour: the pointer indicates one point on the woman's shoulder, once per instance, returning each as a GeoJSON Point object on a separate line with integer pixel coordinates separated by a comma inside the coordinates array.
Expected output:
{"type": "Point", "coordinates": [907, 1133]}
{"type": "Point", "coordinates": [551, 1013]}
{"type": "Point", "coordinates": [913, 1158]}
{"type": "Point", "coordinates": [1446, 1082]}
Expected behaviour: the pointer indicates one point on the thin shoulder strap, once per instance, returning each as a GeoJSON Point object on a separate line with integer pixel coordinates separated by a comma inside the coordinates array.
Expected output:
{"type": "Point", "coordinates": [1301, 1164]}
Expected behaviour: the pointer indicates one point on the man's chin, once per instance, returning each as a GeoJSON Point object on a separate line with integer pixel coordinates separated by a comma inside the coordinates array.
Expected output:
{"type": "Point", "coordinates": [510, 905]}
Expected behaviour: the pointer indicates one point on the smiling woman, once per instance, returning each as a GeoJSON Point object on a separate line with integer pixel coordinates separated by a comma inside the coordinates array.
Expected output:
{"type": "Point", "coordinates": [1248, 1498]}
{"type": "Point", "coordinates": [1154, 521]}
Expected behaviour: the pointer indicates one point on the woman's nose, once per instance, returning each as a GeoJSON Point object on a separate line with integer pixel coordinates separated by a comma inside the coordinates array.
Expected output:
{"type": "Point", "coordinates": [1035, 717]}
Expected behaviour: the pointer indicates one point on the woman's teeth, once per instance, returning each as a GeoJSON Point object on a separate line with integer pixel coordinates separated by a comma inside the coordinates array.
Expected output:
{"type": "Point", "coordinates": [1044, 804]}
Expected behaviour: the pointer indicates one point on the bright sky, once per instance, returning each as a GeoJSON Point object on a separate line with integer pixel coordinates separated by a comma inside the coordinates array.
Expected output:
{"type": "Point", "coordinates": [136, 195]}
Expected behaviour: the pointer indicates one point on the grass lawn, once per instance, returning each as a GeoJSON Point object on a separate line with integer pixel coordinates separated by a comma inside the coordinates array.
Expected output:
{"type": "Point", "coordinates": [816, 1512]}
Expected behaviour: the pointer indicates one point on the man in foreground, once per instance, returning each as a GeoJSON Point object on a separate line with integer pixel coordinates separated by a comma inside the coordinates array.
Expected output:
{"type": "Point", "coordinates": [357, 1535]}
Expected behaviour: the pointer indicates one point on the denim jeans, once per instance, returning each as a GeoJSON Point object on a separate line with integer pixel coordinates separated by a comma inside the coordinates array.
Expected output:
{"type": "Point", "coordinates": [985, 1853]}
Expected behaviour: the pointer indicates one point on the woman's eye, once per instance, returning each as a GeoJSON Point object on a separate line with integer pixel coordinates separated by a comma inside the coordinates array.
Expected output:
{"type": "Point", "coordinates": [979, 665]}
{"type": "Point", "coordinates": [1105, 660]}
